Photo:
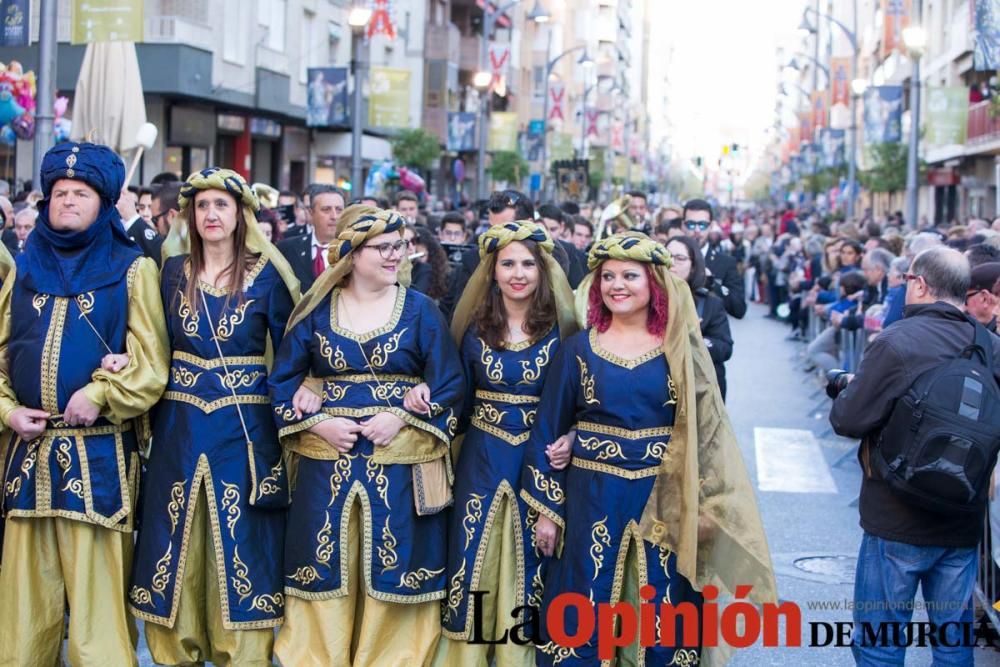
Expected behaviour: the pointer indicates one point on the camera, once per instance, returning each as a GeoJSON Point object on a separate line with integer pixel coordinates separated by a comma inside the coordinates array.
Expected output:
{"type": "Point", "coordinates": [836, 380]}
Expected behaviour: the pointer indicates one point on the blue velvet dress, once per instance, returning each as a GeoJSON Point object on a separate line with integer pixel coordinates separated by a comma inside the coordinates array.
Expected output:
{"type": "Point", "coordinates": [506, 385]}
{"type": "Point", "coordinates": [404, 553]}
{"type": "Point", "coordinates": [624, 414]}
{"type": "Point", "coordinates": [198, 439]}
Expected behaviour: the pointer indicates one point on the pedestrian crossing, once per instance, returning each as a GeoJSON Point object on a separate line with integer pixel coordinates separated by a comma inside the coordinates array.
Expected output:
{"type": "Point", "coordinates": [790, 461]}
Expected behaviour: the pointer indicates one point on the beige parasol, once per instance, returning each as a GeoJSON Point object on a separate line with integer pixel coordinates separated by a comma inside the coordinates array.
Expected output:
{"type": "Point", "coordinates": [108, 106]}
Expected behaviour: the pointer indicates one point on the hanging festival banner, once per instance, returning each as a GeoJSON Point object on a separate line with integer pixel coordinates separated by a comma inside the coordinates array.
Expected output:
{"type": "Point", "coordinates": [381, 21]}
{"type": "Point", "coordinates": [561, 147]}
{"type": "Point", "coordinates": [557, 95]}
{"type": "Point", "coordinates": [389, 97]}
{"type": "Point", "coordinates": [831, 148]}
{"type": "Point", "coordinates": [883, 114]}
{"type": "Point", "coordinates": [895, 17]}
{"type": "Point", "coordinates": [986, 52]}
{"type": "Point", "coordinates": [840, 76]}
{"type": "Point", "coordinates": [461, 131]}
{"type": "Point", "coordinates": [817, 101]}
{"type": "Point", "coordinates": [503, 131]}
{"type": "Point", "coordinates": [947, 115]}
{"type": "Point", "coordinates": [805, 126]}
{"type": "Point", "coordinates": [14, 14]}
{"type": "Point", "coordinates": [499, 55]}
{"type": "Point", "coordinates": [327, 99]}
{"type": "Point", "coordinates": [106, 21]}
{"type": "Point", "coordinates": [592, 116]}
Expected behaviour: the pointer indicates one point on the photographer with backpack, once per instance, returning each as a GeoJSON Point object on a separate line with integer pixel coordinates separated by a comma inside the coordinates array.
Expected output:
{"type": "Point", "coordinates": [926, 405]}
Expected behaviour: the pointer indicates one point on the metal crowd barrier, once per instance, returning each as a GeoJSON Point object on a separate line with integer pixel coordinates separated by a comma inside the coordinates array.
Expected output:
{"type": "Point", "coordinates": [987, 590]}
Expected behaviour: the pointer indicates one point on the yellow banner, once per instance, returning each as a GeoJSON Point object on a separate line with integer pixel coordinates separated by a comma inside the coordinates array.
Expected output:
{"type": "Point", "coordinates": [503, 131]}
{"type": "Point", "coordinates": [562, 146]}
{"type": "Point", "coordinates": [106, 21]}
{"type": "Point", "coordinates": [389, 99]}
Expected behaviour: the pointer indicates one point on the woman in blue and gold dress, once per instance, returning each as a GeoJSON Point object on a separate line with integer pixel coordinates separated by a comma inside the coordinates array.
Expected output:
{"type": "Point", "coordinates": [656, 492]}
{"type": "Point", "coordinates": [365, 553]}
{"type": "Point", "coordinates": [510, 319]}
{"type": "Point", "coordinates": [207, 577]}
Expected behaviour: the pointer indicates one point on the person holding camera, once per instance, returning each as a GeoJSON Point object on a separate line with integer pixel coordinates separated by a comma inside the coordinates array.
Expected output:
{"type": "Point", "coordinates": [925, 404]}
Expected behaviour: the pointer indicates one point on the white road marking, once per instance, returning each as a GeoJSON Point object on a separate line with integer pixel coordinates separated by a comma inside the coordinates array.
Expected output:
{"type": "Point", "coordinates": [790, 461]}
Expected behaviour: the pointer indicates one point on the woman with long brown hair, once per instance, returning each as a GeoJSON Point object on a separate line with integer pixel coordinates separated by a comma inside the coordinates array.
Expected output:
{"type": "Point", "coordinates": [515, 309]}
{"type": "Point", "coordinates": [207, 576]}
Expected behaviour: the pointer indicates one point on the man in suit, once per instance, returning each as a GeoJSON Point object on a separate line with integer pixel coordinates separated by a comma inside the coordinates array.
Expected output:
{"type": "Point", "coordinates": [719, 266]}
{"type": "Point", "coordinates": [307, 253]}
{"type": "Point", "coordinates": [24, 223]}
{"type": "Point", "coordinates": [136, 228]}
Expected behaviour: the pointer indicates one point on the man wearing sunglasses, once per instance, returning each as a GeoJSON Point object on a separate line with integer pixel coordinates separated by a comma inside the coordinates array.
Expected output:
{"type": "Point", "coordinates": [980, 302]}
{"type": "Point", "coordinates": [503, 206]}
{"type": "Point", "coordinates": [719, 266]}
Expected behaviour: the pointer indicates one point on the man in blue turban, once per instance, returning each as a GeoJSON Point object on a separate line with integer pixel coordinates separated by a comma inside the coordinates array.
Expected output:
{"type": "Point", "coordinates": [82, 295]}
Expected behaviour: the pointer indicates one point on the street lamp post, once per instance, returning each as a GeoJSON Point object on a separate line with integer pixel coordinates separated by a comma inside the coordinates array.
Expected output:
{"type": "Point", "coordinates": [482, 81]}
{"type": "Point", "coordinates": [915, 40]}
{"type": "Point", "coordinates": [586, 62]}
{"type": "Point", "coordinates": [358, 20]}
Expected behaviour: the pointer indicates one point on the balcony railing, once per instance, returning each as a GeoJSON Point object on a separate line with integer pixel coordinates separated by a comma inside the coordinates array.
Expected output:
{"type": "Point", "coordinates": [983, 126]}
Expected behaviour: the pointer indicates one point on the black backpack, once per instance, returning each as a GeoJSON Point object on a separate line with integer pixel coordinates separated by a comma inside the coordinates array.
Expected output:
{"type": "Point", "coordinates": [938, 449]}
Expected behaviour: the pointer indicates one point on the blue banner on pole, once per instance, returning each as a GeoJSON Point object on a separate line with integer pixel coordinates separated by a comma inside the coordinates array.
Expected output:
{"type": "Point", "coordinates": [883, 114]}
{"type": "Point", "coordinates": [14, 14]}
{"type": "Point", "coordinates": [461, 131]}
{"type": "Point", "coordinates": [327, 102]}
{"type": "Point", "coordinates": [832, 147]}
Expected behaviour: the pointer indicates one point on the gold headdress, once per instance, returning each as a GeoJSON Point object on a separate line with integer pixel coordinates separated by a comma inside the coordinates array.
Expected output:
{"type": "Point", "coordinates": [702, 505]}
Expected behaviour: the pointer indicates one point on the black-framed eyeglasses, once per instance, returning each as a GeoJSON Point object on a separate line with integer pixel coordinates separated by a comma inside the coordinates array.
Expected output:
{"type": "Point", "coordinates": [156, 218]}
{"type": "Point", "coordinates": [386, 250]}
{"type": "Point", "coordinates": [701, 225]}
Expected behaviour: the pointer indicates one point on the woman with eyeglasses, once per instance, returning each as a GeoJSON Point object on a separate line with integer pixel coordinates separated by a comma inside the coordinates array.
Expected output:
{"type": "Point", "coordinates": [656, 499]}
{"type": "Point", "coordinates": [689, 265]}
{"type": "Point", "coordinates": [207, 576]}
{"type": "Point", "coordinates": [515, 310]}
{"type": "Point", "coordinates": [365, 552]}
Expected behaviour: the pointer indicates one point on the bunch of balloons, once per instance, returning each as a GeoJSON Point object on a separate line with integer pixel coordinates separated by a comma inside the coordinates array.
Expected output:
{"type": "Point", "coordinates": [17, 103]}
{"type": "Point", "coordinates": [385, 174]}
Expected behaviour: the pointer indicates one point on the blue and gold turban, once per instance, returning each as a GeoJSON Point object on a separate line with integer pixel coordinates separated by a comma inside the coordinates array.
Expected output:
{"type": "Point", "coordinates": [628, 246]}
{"type": "Point", "coordinates": [498, 237]}
{"type": "Point", "coordinates": [216, 178]}
{"type": "Point", "coordinates": [97, 166]}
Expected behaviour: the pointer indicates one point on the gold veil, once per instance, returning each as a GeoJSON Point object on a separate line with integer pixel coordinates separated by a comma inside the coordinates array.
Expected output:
{"type": "Point", "coordinates": [490, 243]}
{"type": "Point", "coordinates": [702, 506]}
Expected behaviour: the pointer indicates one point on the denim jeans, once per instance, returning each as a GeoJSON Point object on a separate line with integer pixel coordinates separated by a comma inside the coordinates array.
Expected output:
{"type": "Point", "coordinates": [884, 588]}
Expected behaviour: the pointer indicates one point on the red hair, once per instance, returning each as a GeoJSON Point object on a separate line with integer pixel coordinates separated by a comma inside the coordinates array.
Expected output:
{"type": "Point", "coordinates": [599, 317]}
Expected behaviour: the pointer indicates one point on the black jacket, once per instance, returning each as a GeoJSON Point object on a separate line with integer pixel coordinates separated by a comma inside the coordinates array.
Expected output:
{"type": "Point", "coordinates": [298, 251]}
{"type": "Point", "coordinates": [873, 295]}
{"type": "Point", "coordinates": [146, 238]}
{"type": "Point", "coordinates": [715, 331]}
{"type": "Point", "coordinates": [926, 336]}
{"type": "Point", "coordinates": [727, 283]}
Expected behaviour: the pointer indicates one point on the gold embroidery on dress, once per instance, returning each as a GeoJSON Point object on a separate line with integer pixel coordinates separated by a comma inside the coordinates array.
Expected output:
{"type": "Point", "coordinates": [452, 422]}
{"type": "Point", "coordinates": [189, 316]}
{"type": "Point", "coordinates": [537, 588]}
{"type": "Point", "coordinates": [387, 552]}
{"type": "Point", "coordinates": [334, 392]}
{"type": "Point", "coordinates": [38, 302]}
{"type": "Point", "coordinates": [51, 351]}
{"type": "Point", "coordinates": [74, 486]}
{"type": "Point", "coordinates": [241, 584]}
{"type": "Point", "coordinates": [528, 417]}
{"type": "Point", "coordinates": [269, 485]}
{"type": "Point", "coordinates": [685, 657]}
{"type": "Point", "coordinates": [175, 505]}
{"type": "Point", "coordinates": [341, 473]}
{"type": "Point", "coordinates": [413, 580]}
{"type": "Point", "coordinates": [488, 413]}
{"type": "Point", "coordinates": [606, 449]}
{"type": "Point", "coordinates": [227, 325]}
{"type": "Point", "coordinates": [671, 392]}
{"type": "Point", "coordinates": [324, 545]}
{"type": "Point", "coordinates": [140, 596]}
{"type": "Point", "coordinates": [184, 377]}
{"type": "Point", "coordinates": [376, 472]}
{"type": "Point", "coordinates": [13, 487]}
{"type": "Point", "coordinates": [655, 451]}
{"type": "Point", "coordinates": [558, 653]}
{"type": "Point", "coordinates": [493, 366]}
{"type": "Point", "coordinates": [600, 539]}
{"type": "Point", "coordinates": [286, 414]}
{"type": "Point", "coordinates": [161, 578]}
{"type": "Point", "coordinates": [63, 447]}
{"type": "Point", "coordinates": [86, 303]}
{"type": "Point", "coordinates": [238, 378]}
{"type": "Point", "coordinates": [531, 375]}
{"type": "Point", "coordinates": [380, 354]}
{"type": "Point", "coordinates": [553, 492]}
{"type": "Point", "coordinates": [473, 513]}
{"type": "Point", "coordinates": [455, 592]}
{"type": "Point", "coordinates": [267, 603]}
{"type": "Point", "coordinates": [304, 575]}
{"type": "Point", "coordinates": [385, 391]}
{"type": "Point", "coordinates": [230, 505]}
{"type": "Point", "coordinates": [587, 382]}
{"type": "Point", "coordinates": [334, 357]}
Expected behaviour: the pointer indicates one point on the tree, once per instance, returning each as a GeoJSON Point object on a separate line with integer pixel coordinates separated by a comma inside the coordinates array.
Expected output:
{"type": "Point", "coordinates": [888, 171]}
{"type": "Point", "coordinates": [508, 167]}
{"type": "Point", "coordinates": [416, 148]}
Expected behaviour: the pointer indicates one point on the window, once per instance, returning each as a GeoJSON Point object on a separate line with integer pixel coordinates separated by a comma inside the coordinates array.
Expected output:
{"type": "Point", "coordinates": [271, 15]}
{"type": "Point", "coordinates": [234, 42]}
{"type": "Point", "coordinates": [307, 44]}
